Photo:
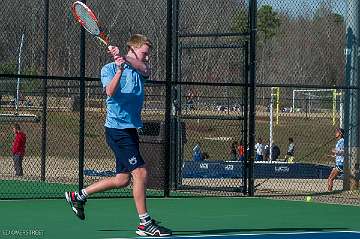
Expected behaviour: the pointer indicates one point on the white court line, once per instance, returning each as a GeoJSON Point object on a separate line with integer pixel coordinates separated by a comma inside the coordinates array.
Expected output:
{"type": "Point", "coordinates": [245, 234]}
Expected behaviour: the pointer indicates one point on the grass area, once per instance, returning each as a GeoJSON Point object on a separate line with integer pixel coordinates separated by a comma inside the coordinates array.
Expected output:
{"type": "Point", "coordinates": [314, 137]}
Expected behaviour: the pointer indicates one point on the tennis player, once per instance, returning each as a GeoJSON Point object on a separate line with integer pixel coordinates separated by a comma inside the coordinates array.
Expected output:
{"type": "Point", "coordinates": [123, 82]}
{"type": "Point", "coordinates": [338, 153]}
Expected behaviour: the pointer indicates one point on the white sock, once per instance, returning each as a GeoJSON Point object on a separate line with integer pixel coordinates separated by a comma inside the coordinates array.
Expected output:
{"type": "Point", "coordinates": [82, 195]}
{"type": "Point", "coordinates": [145, 219]}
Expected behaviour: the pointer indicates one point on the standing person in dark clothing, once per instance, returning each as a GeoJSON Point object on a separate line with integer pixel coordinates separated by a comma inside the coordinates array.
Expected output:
{"type": "Point", "coordinates": [190, 99]}
{"type": "Point", "coordinates": [233, 151]}
{"type": "Point", "coordinates": [275, 152]}
{"type": "Point", "coordinates": [18, 149]}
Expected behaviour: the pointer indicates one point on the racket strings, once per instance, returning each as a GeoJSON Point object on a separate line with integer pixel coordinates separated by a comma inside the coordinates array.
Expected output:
{"type": "Point", "coordinates": [88, 22]}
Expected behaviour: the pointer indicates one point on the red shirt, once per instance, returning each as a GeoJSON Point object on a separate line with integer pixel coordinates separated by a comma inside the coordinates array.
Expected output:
{"type": "Point", "coordinates": [241, 150]}
{"type": "Point", "coordinates": [18, 147]}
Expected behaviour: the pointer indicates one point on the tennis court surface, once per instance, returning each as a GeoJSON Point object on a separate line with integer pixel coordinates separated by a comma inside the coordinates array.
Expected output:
{"type": "Point", "coordinates": [223, 218]}
{"type": "Point", "coordinates": [295, 235]}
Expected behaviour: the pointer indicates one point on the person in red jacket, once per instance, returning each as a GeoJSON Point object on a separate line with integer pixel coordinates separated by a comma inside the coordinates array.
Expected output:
{"type": "Point", "coordinates": [18, 149]}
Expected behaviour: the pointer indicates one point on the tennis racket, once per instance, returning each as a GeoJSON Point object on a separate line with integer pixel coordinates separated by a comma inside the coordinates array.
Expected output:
{"type": "Point", "coordinates": [87, 19]}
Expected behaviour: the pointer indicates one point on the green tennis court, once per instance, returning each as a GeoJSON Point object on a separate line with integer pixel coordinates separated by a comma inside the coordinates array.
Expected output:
{"type": "Point", "coordinates": [20, 189]}
{"type": "Point", "coordinates": [117, 218]}
{"type": "Point", "coordinates": [227, 78]}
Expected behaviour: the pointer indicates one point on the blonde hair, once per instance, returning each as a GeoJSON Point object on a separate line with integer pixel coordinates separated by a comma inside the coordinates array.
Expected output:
{"type": "Point", "coordinates": [137, 41]}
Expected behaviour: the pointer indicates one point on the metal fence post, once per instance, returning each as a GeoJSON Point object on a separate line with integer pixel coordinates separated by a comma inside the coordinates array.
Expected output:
{"type": "Point", "coordinates": [252, 93]}
{"type": "Point", "coordinates": [82, 108]}
{"type": "Point", "coordinates": [44, 88]}
{"type": "Point", "coordinates": [168, 97]}
{"type": "Point", "coordinates": [352, 98]}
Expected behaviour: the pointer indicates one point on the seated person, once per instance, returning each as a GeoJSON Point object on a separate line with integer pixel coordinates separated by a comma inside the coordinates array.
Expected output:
{"type": "Point", "coordinates": [205, 156]}
{"type": "Point", "coordinates": [289, 157]}
{"type": "Point", "coordinates": [197, 154]}
{"type": "Point", "coordinates": [259, 147]}
{"type": "Point", "coordinates": [275, 152]}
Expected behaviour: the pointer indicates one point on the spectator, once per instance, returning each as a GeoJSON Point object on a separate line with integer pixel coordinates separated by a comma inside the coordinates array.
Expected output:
{"type": "Point", "coordinates": [190, 99]}
{"type": "Point", "coordinates": [289, 157]}
{"type": "Point", "coordinates": [18, 149]}
{"type": "Point", "coordinates": [205, 156]}
{"type": "Point", "coordinates": [275, 152]}
{"type": "Point", "coordinates": [338, 154]}
{"type": "Point", "coordinates": [234, 151]}
{"type": "Point", "coordinates": [259, 147]}
{"type": "Point", "coordinates": [267, 152]}
{"type": "Point", "coordinates": [241, 151]}
{"type": "Point", "coordinates": [197, 154]}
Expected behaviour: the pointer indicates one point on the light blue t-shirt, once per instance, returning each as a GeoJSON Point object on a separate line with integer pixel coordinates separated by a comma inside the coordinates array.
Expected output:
{"type": "Point", "coordinates": [124, 107]}
{"type": "Point", "coordinates": [339, 147]}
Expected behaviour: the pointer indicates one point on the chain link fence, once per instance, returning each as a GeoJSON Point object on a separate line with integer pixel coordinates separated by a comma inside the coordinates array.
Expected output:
{"type": "Point", "coordinates": [309, 117]}
{"type": "Point", "coordinates": [48, 108]}
{"type": "Point", "coordinates": [301, 94]}
{"type": "Point", "coordinates": [303, 69]}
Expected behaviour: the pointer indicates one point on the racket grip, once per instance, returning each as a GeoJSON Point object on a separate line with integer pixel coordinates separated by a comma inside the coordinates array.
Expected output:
{"type": "Point", "coordinates": [116, 57]}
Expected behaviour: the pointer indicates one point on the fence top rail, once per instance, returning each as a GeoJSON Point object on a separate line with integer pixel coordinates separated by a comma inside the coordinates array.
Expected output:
{"type": "Point", "coordinates": [74, 78]}
{"type": "Point", "coordinates": [323, 87]}
{"type": "Point", "coordinates": [227, 34]}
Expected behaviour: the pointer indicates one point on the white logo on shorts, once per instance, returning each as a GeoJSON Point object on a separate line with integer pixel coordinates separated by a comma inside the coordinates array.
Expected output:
{"type": "Point", "coordinates": [133, 160]}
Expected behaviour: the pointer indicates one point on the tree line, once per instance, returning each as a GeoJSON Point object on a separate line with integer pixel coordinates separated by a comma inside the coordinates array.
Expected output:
{"type": "Point", "coordinates": [302, 49]}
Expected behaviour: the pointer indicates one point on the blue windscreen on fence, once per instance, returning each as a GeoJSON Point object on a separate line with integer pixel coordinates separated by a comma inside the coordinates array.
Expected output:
{"type": "Point", "coordinates": [234, 169]}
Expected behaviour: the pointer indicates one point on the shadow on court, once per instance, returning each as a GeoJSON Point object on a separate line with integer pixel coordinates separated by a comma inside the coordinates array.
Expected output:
{"type": "Point", "coordinates": [242, 230]}
{"type": "Point", "coordinates": [115, 230]}
{"type": "Point", "coordinates": [235, 231]}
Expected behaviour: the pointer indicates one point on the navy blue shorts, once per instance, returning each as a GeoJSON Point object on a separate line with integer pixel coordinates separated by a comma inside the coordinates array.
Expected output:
{"type": "Point", "coordinates": [125, 145]}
